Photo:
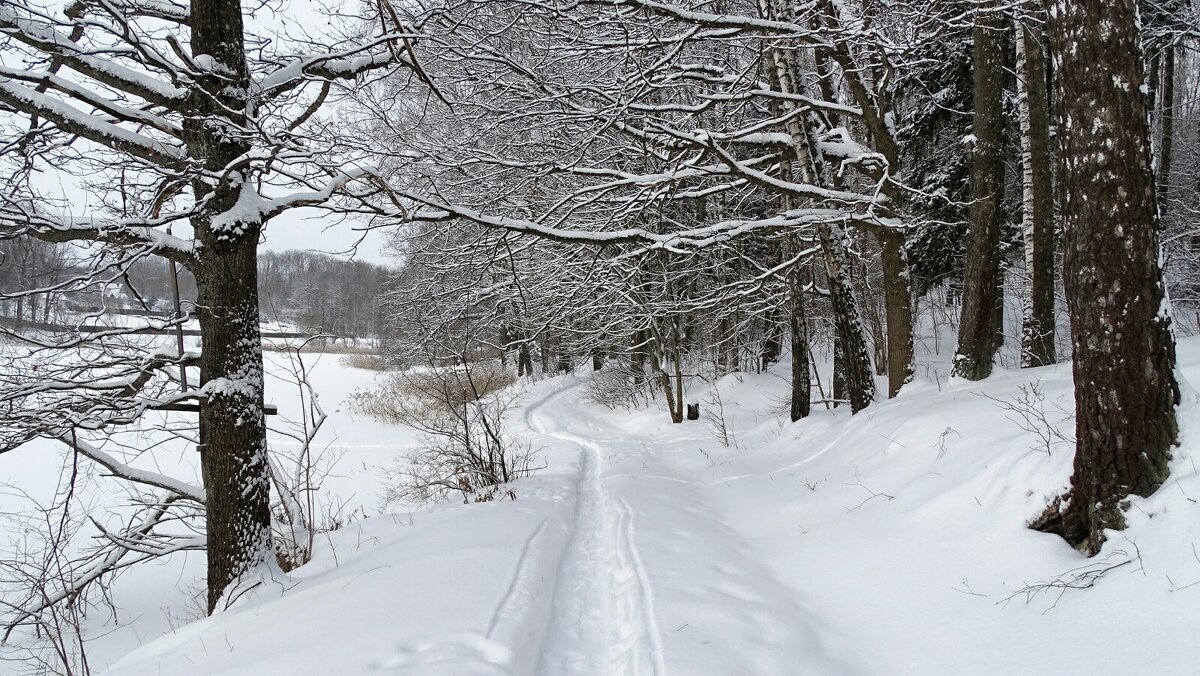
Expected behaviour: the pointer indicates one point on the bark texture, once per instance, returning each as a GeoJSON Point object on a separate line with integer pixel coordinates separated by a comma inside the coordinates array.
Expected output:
{"type": "Point", "coordinates": [981, 276]}
{"type": "Point", "coordinates": [1125, 387]}
{"type": "Point", "coordinates": [232, 427]}
{"type": "Point", "coordinates": [1037, 330]}
{"type": "Point", "coordinates": [851, 337]}
{"type": "Point", "coordinates": [897, 294]}
{"type": "Point", "coordinates": [798, 332]}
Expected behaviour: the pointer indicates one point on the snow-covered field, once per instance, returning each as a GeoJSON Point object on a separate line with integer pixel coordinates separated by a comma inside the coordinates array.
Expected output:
{"type": "Point", "coordinates": [891, 544]}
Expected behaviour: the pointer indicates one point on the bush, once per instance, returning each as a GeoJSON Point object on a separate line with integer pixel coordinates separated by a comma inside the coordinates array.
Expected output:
{"type": "Point", "coordinates": [618, 386]}
{"type": "Point", "coordinates": [459, 412]}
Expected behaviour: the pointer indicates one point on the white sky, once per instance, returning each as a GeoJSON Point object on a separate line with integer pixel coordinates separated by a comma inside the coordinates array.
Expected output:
{"type": "Point", "coordinates": [313, 230]}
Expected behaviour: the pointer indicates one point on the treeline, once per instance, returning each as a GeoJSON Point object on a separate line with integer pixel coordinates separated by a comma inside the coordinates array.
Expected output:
{"type": "Point", "coordinates": [321, 293]}
{"type": "Point", "coordinates": [317, 292]}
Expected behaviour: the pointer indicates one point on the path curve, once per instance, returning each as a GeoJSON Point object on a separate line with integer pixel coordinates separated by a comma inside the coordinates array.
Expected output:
{"type": "Point", "coordinates": [602, 617]}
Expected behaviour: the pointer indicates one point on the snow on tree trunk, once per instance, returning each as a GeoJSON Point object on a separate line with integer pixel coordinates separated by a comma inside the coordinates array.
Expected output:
{"type": "Point", "coordinates": [981, 276]}
{"type": "Point", "coordinates": [1037, 212]}
{"type": "Point", "coordinates": [232, 427]}
{"type": "Point", "coordinates": [852, 337]}
{"type": "Point", "coordinates": [848, 325]}
{"type": "Point", "coordinates": [1124, 351]}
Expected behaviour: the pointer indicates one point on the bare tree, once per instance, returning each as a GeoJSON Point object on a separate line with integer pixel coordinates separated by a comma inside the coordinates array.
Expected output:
{"type": "Point", "coordinates": [721, 163]}
{"type": "Point", "coordinates": [166, 117]}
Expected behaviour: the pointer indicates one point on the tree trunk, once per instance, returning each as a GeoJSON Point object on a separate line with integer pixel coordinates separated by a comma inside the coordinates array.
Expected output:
{"type": "Point", "coordinates": [1125, 387]}
{"type": "Point", "coordinates": [232, 428]}
{"type": "Point", "coordinates": [664, 381]}
{"type": "Point", "coordinates": [772, 345]}
{"type": "Point", "coordinates": [977, 330]}
{"type": "Point", "coordinates": [898, 305]}
{"type": "Point", "coordinates": [838, 388]}
{"type": "Point", "coordinates": [637, 359]}
{"type": "Point", "coordinates": [856, 357]}
{"type": "Point", "coordinates": [505, 341]}
{"type": "Point", "coordinates": [798, 328]}
{"type": "Point", "coordinates": [524, 360]}
{"type": "Point", "coordinates": [877, 110]}
{"type": "Point", "coordinates": [721, 339]}
{"type": "Point", "coordinates": [874, 321]}
{"type": "Point", "coordinates": [673, 395]}
{"type": "Point", "coordinates": [1168, 128]}
{"type": "Point", "coordinates": [233, 444]}
{"type": "Point", "coordinates": [1037, 212]}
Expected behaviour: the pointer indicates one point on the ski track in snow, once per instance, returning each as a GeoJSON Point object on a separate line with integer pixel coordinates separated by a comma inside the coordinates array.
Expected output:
{"type": "Point", "coordinates": [602, 619]}
{"type": "Point", "coordinates": [725, 611]}
{"type": "Point", "coordinates": [522, 589]}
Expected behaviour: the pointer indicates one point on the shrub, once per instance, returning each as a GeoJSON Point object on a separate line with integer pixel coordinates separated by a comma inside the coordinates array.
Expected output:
{"type": "Point", "coordinates": [459, 413]}
{"type": "Point", "coordinates": [618, 386]}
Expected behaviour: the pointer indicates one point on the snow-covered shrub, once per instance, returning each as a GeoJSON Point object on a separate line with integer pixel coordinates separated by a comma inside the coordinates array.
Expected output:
{"type": "Point", "coordinates": [618, 386]}
{"type": "Point", "coordinates": [465, 447]}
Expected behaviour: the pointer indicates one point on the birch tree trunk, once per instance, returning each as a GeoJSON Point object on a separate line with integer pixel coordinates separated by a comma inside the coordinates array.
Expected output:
{"type": "Point", "coordinates": [852, 338]}
{"type": "Point", "coordinates": [810, 166]}
{"type": "Point", "coordinates": [1037, 212]}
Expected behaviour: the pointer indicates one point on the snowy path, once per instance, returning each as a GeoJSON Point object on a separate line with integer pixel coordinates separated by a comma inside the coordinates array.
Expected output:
{"type": "Point", "coordinates": [602, 620]}
{"type": "Point", "coordinates": [720, 608]}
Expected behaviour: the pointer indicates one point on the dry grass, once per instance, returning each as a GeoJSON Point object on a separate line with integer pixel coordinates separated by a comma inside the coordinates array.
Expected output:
{"type": "Point", "coordinates": [319, 347]}
{"type": "Point", "coordinates": [419, 393]}
{"type": "Point", "coordinates": [370, 361]}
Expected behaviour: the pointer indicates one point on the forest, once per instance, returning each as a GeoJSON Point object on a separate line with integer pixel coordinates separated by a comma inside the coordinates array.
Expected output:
{"type": "Point", "coordinates": [813, 240]}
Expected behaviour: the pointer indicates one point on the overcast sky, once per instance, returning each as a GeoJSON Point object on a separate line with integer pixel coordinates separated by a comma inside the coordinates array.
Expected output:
{"type": "Point", "coordinates": [314, 230]}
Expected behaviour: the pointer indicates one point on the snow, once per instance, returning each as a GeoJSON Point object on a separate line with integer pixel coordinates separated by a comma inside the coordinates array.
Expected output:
{"type": "Point", "coordinates": [33, 29]}
{"type": "Point", "coordinates": [90, 126]}
{"type": "Point", "coordinates": [249, 210]}
{"type": "Point", "coordinates": [893, 542]}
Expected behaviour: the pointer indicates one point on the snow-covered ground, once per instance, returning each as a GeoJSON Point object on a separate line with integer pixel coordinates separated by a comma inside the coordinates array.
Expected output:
{"type": "Point", "coordinates": [890, 543]}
